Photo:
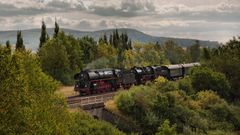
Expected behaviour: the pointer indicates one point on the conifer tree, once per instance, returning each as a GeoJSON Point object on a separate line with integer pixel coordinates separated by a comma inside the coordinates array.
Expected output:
{"type": "Point", "coordinates": [56, 29]}
{"type": "Point", "coordinates": [100, 40]}
{"type": "Point", "coordinates": [8, 46]}
{"type": "Point", "coordinates": [105, 39]}
{"type": "Point", "coordinates": [206, 54]}
{"type": "Point", "coordinates": [111, 40]}
{"type": "Point", "coordinates": [194, 51]}
{"type": "Point", "coordinates": [129, 44]}
{"type": "Point", "coordinates": [19, 43]}
{"type": "Point", "coordinates": [116, 38]}
{"type": "Point", "coordinates": [43, 37]}
{"type": "Point", "coordinates": [117, 35]}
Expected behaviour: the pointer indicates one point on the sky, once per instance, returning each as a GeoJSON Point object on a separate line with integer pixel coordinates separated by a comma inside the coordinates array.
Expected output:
{"type": "Point", "coordinates": [217, 20]}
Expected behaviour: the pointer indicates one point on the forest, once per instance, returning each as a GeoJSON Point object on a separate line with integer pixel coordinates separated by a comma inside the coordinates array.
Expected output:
{"type": "Point", "coordinates": [205, 102]}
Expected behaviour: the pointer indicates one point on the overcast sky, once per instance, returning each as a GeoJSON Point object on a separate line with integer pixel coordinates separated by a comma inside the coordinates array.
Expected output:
{"type": "Point", "coordinates": [201, 19]}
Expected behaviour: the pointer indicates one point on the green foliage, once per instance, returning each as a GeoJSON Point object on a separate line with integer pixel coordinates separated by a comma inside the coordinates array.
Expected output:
{"type": "Point", "coordinates": [125, 102]}
{"type": "Point", "coordinates": [61, 57]}
{"type": "Point", "coordinates": [105, 50]}
{"type": "Point", "coordinates": [206, 54]}
{"type": "Point", "coordinates": [165, 129]}
{"type": "Point", "coordinates": [84, 124]}
{"type": "Point", "coordinates": [207, 79]}
{"type": "Point", "coordinates": [19, 43]}
{"type": "Point", "coordinates": [54, 60]}
{"type": "Point", "coordinates": [185, 84]}
{"type": "Point", "coordinates": [194, 52]}
{"type": "Point", "coordinates": [191, 113]}
{"type": "Point", "coordinates": [144, 55]}
{"type": "Point", "coordinates": [8, 46]}
{"type": "Point", "coordinates": [136, 103]}
{"type": "Point", "coordinates": [29, 105]}
{"type": "Point", "coordinates": [226, 59]}
{"type": "Point", "coordinates": [102, 62]}
{"type": "Point", "coordinates": [75, 54]}
{"type": "Point", "coordinates": [175, 53]}
{"type": "Point", "coordinates": [89, 49]}
{"type": "Point", "coordinates": [43, 37]}
{"type": "Point", "coordinates": [27, 102]}
{"type": "Point", "coordinates": [56, 29]}
{"type": "Point", "coordinates": [164, 85]}
{"type": "Point", "coordinates": [120, 42]}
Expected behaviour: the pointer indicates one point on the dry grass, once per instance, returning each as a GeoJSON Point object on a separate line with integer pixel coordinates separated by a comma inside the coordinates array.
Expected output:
{"type": "Point", "coordinates": [66, 91]}
{"type": "Point", "coordinates": [111, 106]}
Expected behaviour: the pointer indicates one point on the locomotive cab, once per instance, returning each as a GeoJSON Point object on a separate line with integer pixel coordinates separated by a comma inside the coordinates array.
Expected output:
{"type": "Point", "coordinates": [82, 81]}
{"type": "Point", "coordinates": [95, 81]}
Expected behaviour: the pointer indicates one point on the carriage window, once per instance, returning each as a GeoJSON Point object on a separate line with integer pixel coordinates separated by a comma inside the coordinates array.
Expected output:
{"type": "Point", "coordinates": [164, 72]}
{"type": "Point", "coordinates": [187, 70]}
{"type": "Point", "coordinates": [176, 72]}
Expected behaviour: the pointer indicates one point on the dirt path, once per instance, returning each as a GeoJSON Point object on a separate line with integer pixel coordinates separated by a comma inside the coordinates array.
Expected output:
{"type": "Point", "coordinates": [66, 91]}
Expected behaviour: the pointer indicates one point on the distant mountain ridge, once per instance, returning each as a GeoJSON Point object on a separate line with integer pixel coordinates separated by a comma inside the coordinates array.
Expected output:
{"type": "Point", "coordinates": [31, 37]}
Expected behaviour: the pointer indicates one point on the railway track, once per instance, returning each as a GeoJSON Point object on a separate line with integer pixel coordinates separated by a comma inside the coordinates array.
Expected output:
{"type": "Point", "coordinates": [89, 101]}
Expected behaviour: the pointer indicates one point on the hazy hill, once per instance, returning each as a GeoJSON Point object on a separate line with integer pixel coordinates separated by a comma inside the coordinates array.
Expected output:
{"type": "Point", "coordinates": [31, 37]}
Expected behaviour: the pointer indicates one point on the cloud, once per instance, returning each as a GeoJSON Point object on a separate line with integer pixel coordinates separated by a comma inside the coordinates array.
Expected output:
{"type": "Point", "coordinates": [103, 24]}
{"type": "Point", "coordinates": [137, 5]}
{"type": "Point", "coordinates": [187, 18]}
{"type": "Point", "coordinates": [126, 9]}
{"type": "Point", "coordinates": [65, 5]}
{"type": "Point", "coordinates": [32, 7]}
{"type": "Point", "coordinates": [111, 11]}
{"type": "Point", "coordinates": [84, 24]}
{"type": "Point", "coordinates": [220, 12]}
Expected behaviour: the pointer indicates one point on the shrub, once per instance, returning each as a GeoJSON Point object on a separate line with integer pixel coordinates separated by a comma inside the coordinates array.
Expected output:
{"type": "Point", "coordinates": [207, 79]}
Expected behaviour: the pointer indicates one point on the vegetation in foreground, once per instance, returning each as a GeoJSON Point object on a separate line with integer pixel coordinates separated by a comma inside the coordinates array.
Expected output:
{"type": "Point", "coordinates": [28, 104]}
{"type": "Point", "coordinates": [207, 102]}
{"type": "Point", "coordinates": [172, 104]}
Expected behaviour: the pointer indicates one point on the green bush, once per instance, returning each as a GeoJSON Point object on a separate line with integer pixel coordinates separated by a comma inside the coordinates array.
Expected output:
{"type": "Point", "coordinates": [207, 79]}
{"type": "Point", "coordinates": [185, 84]}
{"type": "Point", "coordinates": [166, 129]}
{"type": "Point", "coordinates": [61, 58]}
{"type": "Point", "coordinates": [198, 113]}
{"type": "Point", "coordinates": [29, 105]}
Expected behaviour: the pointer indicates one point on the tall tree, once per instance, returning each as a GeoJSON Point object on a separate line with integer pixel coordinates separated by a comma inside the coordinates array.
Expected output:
{"type": "Point", "coordinates": [105, 39]}
{"type": "Point", "coordinates": [111, 40]}
{"type": "Point", "coordinates": [54, 60]}
{"type": "Point", "coordinates": [8, 46]}
{"type": "Point", "coordinates": [130, 44]}
{"type": "Point", "coordinates": [175, 53]}
{"type": "Point", "coordinates": [56, 29]}
{"type": "Point", "coordinates": [206, 54]}
{"type": "Point", "coordinates": [100, 40]}
{"type": "Point", "coordinates": [194, 51]}
{"type": "Point", "coordinates": [120, 52]}
{"type": "Point", "coordinates": [89, 47]}
{"type": "Point", "coordinates": [43, 37]}
{"type": "Point", "coordinates": [19, 43]}
{"type": "Point", "coordinates": [226, 59]}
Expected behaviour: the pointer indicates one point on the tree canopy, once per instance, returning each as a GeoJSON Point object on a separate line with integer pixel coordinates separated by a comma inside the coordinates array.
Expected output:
{"type": "Point", "coordinates": [61, 57]}
{"type": "Point", "coordinates": [29, 105]}
{"type": "Point", "coordinates": [19, 43]}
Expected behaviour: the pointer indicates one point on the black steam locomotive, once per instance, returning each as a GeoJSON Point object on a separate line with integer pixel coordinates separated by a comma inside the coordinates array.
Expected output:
{"type": "Point", "coordinates": [103, 80]}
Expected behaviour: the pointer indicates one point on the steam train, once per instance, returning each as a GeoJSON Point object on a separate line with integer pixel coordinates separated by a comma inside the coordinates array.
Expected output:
{"type": "Point", "coordinates": [90, 82]}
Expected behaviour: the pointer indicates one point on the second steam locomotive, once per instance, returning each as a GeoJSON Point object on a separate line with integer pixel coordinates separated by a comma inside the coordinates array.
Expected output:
{"type": "Point", "coordinates": [89, 82]}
